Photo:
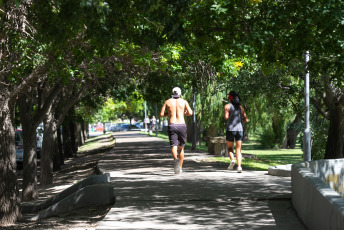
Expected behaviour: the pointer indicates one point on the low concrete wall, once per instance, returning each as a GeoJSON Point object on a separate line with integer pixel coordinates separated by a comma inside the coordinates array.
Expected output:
{"type": "Point", "coordinates": [317, 204]}
{"type": "Point", "coordinates": [95, 179]}
{"type": "Point", "coordinates": [280, 170]}
{"type": "Point", "coordinates": [91, 195]}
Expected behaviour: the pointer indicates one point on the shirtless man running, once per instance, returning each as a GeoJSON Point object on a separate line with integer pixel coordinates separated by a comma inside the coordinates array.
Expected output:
{"type": "Point", "coordinates": [176, 109]}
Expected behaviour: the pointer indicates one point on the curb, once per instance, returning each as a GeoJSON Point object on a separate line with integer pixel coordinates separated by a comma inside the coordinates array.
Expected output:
{"type": "Point", "coordinates": [98, 194]}
{"type": "Point", "coordinates": [90, 191]}
{"type": "Point", "coordinates": [280, 170]}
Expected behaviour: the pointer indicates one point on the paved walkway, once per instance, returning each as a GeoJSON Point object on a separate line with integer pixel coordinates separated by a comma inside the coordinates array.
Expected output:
{"type": "Point", "coordinates": [150, 196]}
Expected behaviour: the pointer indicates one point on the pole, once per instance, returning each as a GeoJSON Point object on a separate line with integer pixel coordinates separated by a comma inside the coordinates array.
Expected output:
{"type": "Point", "coordinates": [307, 132]}
{"type": "Point", "coordinates": [194, 118]}
{"type": "Point", "coordinates": [156, 120]}
{"type": "Point", "coordinates": [144, 119]}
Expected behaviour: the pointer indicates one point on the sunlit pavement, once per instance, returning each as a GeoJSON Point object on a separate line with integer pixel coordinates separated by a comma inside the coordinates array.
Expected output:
{"type": "Point", "coordinates": [94, 134]}
{"type": "Point", "coordinates": [150, 196]}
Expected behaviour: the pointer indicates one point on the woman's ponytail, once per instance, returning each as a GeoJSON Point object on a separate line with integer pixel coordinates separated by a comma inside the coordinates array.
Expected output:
{"type": "Point", "coordinates": [235, 99]}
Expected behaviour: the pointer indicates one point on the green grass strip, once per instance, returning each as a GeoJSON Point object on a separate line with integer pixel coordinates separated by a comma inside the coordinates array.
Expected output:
{"type": "Point", "coordinates": [265, 157]}
{"type": "Point", "coordinates": [95, 143]}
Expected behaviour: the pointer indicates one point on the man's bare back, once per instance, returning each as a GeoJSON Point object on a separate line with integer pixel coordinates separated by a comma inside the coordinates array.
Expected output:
{"type": "Point", "coordinates": [176, 109]}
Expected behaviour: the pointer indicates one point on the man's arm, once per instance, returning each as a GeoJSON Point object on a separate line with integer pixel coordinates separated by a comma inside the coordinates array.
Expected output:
{"type": "Point", "coordinates": [226, 115]}
{"type": "Point", "coordinates": [188, 110]}
{"type": "Point", "coordinates": [162, 111]}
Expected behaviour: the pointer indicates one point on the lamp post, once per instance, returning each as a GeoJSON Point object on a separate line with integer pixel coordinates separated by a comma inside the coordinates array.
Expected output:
{"type": "Point", "coordinates": [307, 132]}
{"type": "Point", "coordinates": [144, 119]}
{"type": "Point", "coordinates": [194, 118]}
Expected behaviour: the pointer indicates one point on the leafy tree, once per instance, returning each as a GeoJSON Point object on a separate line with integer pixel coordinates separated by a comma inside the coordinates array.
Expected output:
{"type": "Point", "coordinates": [38, 38]}
{"type": "Point", "coordinates": [111, 110]}
{"type": "Point", "coordinates": [278, 33]}
{"type": "Point", "coordinates": [14, 33]}
{"type": "Point", "coordinates": [318, 29]}
{"type": "Point", "coordinates": [134, 105]}
{"type": "Point", "coordinates": [32, 107]}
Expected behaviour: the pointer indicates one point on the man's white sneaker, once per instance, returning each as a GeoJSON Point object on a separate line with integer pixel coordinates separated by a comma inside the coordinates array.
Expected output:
{"type": "Point", "coordinates": [231, 165]}
{"type": "Point", "coordinates": [176, 166]}
{"type": "Point", "coordinates": [239, 169]}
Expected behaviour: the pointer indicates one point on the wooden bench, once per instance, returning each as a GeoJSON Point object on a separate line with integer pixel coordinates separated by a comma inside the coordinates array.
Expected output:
{"type": "Point", "coordinates": [220, 148]}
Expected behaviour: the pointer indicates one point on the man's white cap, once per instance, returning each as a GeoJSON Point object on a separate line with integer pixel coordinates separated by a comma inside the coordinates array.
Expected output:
{"type": "Point", "coordinates": [176, 92]}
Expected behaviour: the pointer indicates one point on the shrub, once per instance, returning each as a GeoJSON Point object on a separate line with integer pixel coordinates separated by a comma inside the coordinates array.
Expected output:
{"type": "Point", "coordinates": [267, 138]}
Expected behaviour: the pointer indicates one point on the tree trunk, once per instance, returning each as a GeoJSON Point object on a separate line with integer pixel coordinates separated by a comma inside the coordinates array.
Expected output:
{"type": "Point", "coordinates": [198, 132]}
{"type": "Point", "coordinates": [189, 125]}
{"type": "Point", "coordinates": [67, 140]}
{"type": "Point", "coordinates": [55, 151]}
{"type": "Point", "coordinates": [48, 147]}
{"type": "Point", "coordinates": [78, 131]}
{"type": "Point", "coordinates": [335, 138]}
{"type": "Point", "coordinates": [292, 132]}
{"type": "Point", "coordinates": [278, 128]}
{"type": "Point", "coordinates": [74, 140]}
{"type": "Point", "coordinates": [83, 136]}
{"type": "Point", "coordinates": [9, 192]}
{"type": "Point", "coordinates": [30, 150]}
{"type": "Point", "coordinates": [60, 146]}
{"type": "Point", "coordinates": [334, 100]}
{"type": "Point", "coordinates": [30, 164]}
{"type": "Point", "coordinates": [211, 132]}
{"type": "Point", "coordinates": [87, 131]}
{"type": "Point", "coordinates": [190, 131]}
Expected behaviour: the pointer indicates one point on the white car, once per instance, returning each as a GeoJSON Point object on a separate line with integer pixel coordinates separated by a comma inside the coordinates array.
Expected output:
{"type": "Point", "coordinates": [19, 146]}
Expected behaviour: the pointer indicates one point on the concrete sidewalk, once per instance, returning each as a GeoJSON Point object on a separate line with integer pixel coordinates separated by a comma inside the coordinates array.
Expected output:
{"type": "Point", "coordinates": [150, 196]}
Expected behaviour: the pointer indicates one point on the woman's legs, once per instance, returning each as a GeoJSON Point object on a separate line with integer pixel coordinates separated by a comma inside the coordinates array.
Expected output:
{"type": "Point", "coordinates": [238, 145]}
{"type": "Point", "coordinates": [230, 148]}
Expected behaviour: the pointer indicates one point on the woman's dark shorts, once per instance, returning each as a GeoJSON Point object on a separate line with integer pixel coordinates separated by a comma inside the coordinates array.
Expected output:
{"type": "Point", "coordinates": [237, 135]}
{"type": "Point", "coordinates": [177, 134]}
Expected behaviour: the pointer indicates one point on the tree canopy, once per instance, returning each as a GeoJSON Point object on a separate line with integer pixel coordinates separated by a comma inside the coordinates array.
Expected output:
{"type": "Point", "coordinates": [59, 55]}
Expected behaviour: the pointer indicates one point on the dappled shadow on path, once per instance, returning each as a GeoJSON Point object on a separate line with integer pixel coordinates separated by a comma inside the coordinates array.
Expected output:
{"type": "Point", "coordinates": [204, 196]}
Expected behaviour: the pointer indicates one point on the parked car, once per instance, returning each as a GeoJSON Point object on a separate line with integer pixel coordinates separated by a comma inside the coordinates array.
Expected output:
{"type": "Point", "coordinates": [139, 125]}
{"type": "Point", "coordinates": [19, 146]}
{"type": "Point", "coordinates": [124, 127]}
{"type": "Point", "coordinates": [39, 134]}
{"type": "Point", "coordinates": [116, 127]}
{"type": "Point", "coordinates": [98, 127]}
{"type": "Point", "coordinates": [135, 126]}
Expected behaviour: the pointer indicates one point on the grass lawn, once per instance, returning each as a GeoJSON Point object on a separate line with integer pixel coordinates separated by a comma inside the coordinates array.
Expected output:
{"type": "Point", "coordinates": [265, 157]}
{"type": "Point", "coordinates": [96, 143]}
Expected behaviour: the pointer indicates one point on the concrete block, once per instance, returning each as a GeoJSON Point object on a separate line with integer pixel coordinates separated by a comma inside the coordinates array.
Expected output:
{"type": "Point", "coordinates": [219, 143]}
{"type": "Point", "coordinates": [91, 195]}
{"type": "Point", "coordinates": [96, 179]}
{"type": "Point", "coordinates": [280, 170]}
{"type": "Point", "coordinates": [318, 206]}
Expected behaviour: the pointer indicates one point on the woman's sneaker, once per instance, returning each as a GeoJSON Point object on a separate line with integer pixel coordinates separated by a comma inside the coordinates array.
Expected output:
{"type": "Point", "coordinates": [176, 166]}
{"type": "Point", "coordinates": [239, 169]}
{"type": "Point", "coordinates": [231, 165]}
